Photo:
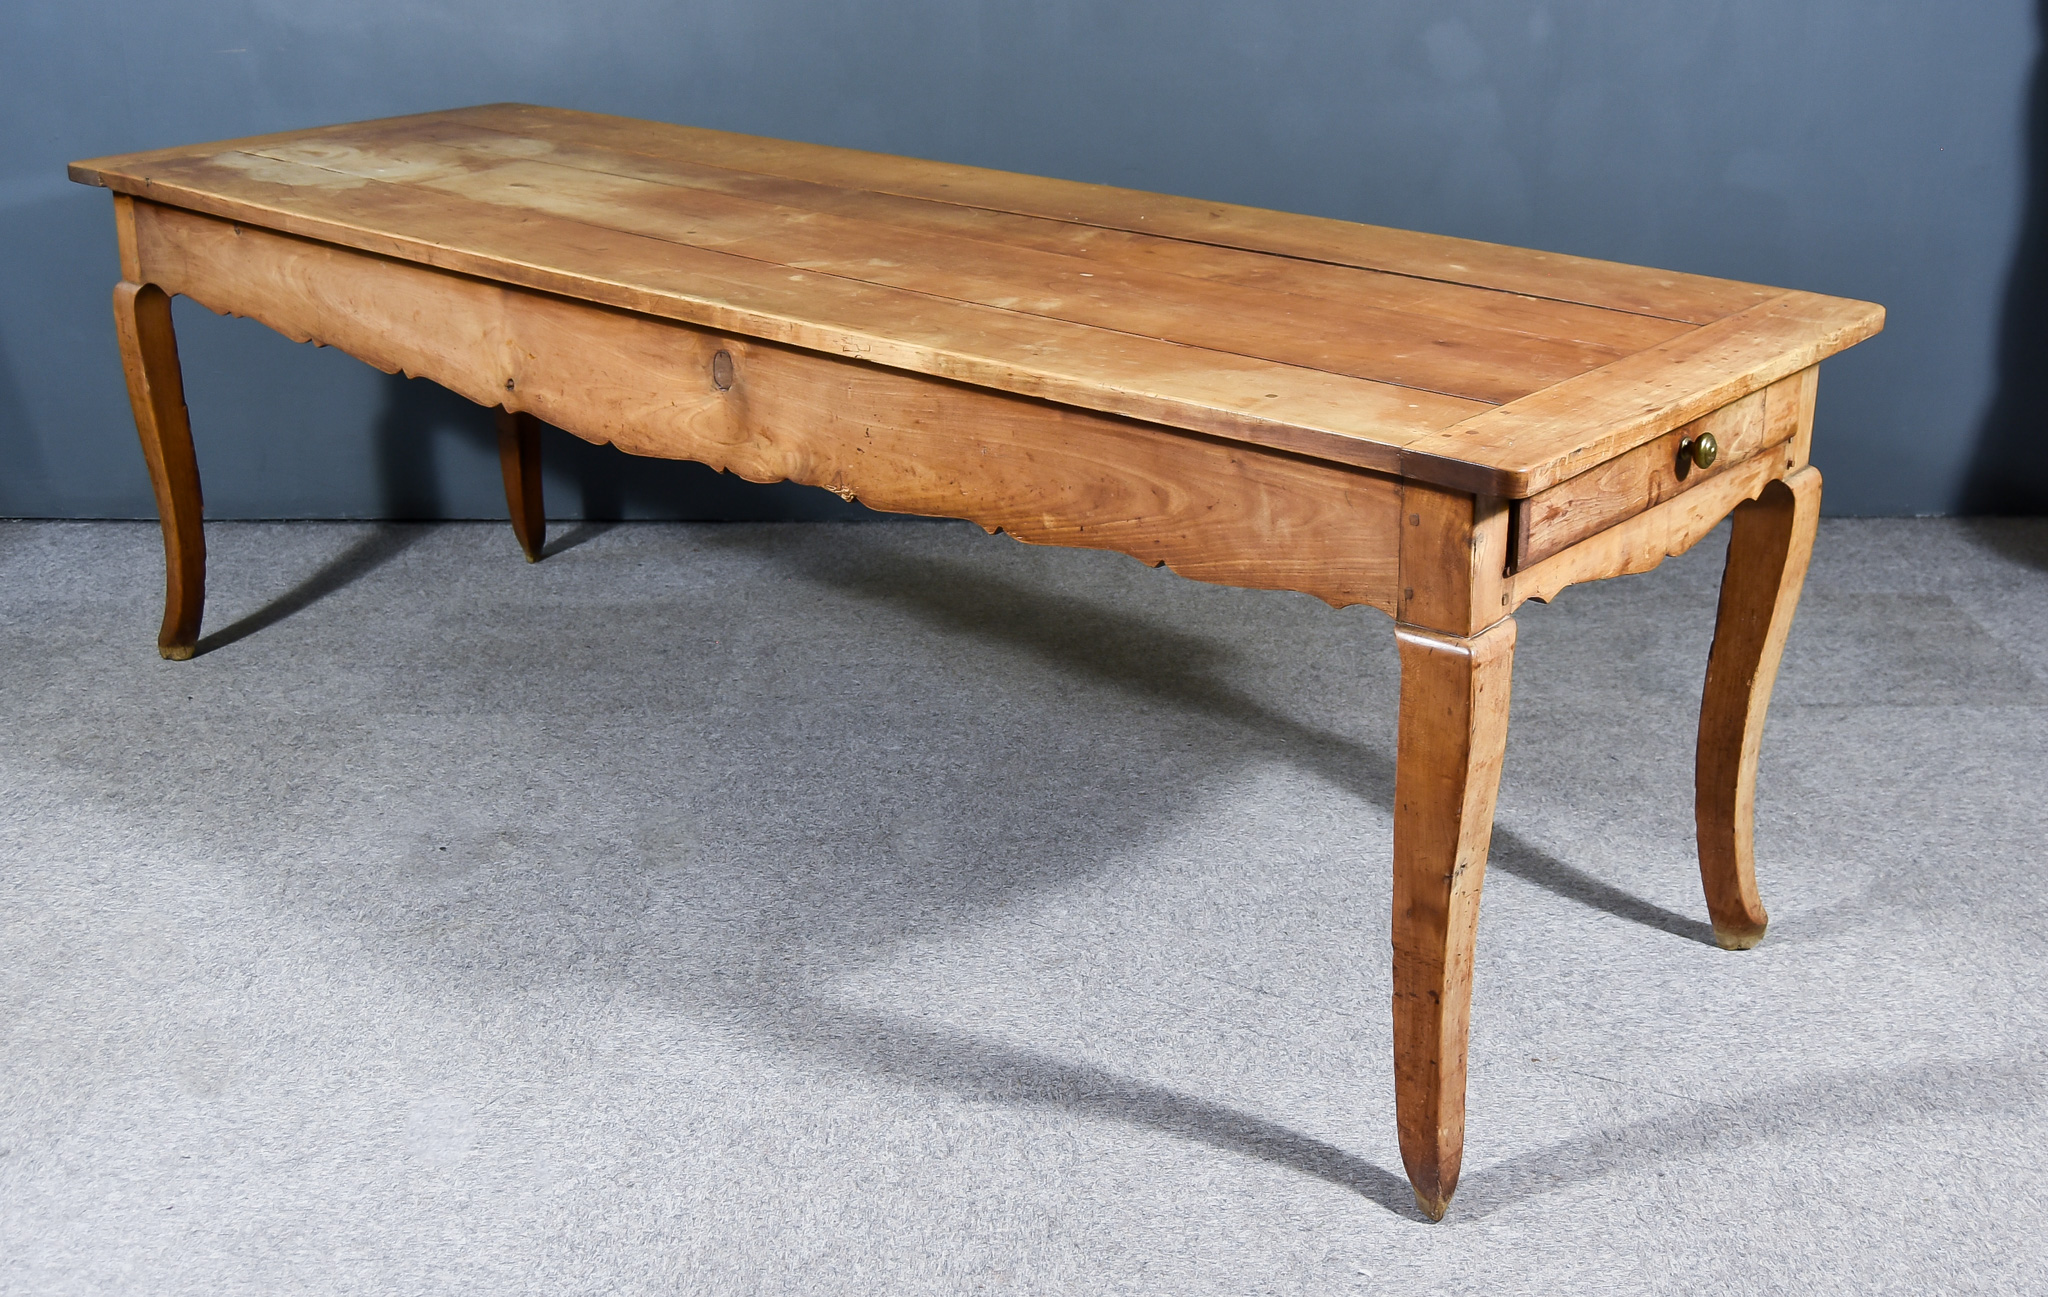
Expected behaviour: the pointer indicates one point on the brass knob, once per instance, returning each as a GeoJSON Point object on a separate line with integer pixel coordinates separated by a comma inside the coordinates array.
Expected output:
{"type": "Point", "coordinates": [1702, 450]}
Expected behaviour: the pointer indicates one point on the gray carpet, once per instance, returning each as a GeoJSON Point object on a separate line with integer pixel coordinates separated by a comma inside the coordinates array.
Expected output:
{"type": "Point", "coordinates": [894, 909]}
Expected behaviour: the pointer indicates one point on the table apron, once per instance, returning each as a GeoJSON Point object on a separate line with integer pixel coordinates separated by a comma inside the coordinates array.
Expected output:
{"type": "Point", "coordinates": [1640, 543]}
{"type": "Point", "coordinates": [899, 442]}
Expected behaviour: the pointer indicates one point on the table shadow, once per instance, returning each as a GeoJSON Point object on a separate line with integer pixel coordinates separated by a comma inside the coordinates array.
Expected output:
{"type": "Point", "coordinates": [1865, 1099]}
{"type": "Point", "coordinates": [975, 1067]}
{"type": "Point", "coordinates": [384, 542]}
{"type": "Point", "coordinates": [2019, 540]}
{"type": "Point", "coordinates": [580, 534]}
{"type": "Point", "coordinates": [1512, 854]}
{"type": "Point", "coordinates": [1175, 668]}
{"type": "Point", "coordinates": [770, 937]}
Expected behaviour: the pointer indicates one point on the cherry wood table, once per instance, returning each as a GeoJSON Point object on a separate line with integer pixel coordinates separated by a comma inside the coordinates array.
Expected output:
{"type": "Point", "coordinates": [1439, 428]}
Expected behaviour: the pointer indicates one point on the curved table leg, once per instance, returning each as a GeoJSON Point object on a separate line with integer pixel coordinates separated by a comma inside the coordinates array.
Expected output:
{"type": "Point", "coordinates": [156, 388]}
{"type": "Point", "coordinates": [1767, 558]}
{"type": "Point", "coordinates": [519, 458]}
{"type": "Point", "coordinates": [1454, 724]}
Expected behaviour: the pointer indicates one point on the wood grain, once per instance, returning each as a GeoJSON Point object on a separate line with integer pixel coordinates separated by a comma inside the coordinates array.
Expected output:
{"type": "Point", "coordinates": [1453, 559]}
{"type": "Point", "coordinates": [1044, 473]}
{"type": "Point", "coordinates": [460, 144]}
{"type": "Point", "coordinates": [1693, 298]}
{"type": "Point", "coordinates": [1472, 357]}
{"type": "Point", "coordinates": [1242, 398]}
{"type": "Point", "coordinates": [1768, 550]}
{"type": "Point", "coordinates": [463, 157]}
{"type": "Point", "coordinates": [1453, 732]}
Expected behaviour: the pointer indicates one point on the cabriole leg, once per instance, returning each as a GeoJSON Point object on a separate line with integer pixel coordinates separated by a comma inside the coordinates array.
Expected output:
{"type": "Point", "coordinates": [1454, 722]}
{"type": "Point", "coordinates": [149, 354]}
{"type": "Point", "coordinates": [519, 457]}
{"type": "Point", "coordinates": [1767, 557]}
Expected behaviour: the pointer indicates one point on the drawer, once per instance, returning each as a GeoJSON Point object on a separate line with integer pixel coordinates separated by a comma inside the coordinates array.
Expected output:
{"type": "Point", "coordinates": [1771, 421]}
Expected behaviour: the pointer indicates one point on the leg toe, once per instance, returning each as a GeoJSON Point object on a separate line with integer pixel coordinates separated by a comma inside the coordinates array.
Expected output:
{"type": "Point", "coordinates": [1733, 937]}
{"type": "Point", "coordinates": [1434, 1208]}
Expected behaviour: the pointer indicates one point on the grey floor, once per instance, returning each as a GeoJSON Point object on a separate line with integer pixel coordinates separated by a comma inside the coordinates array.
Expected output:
{"type": "Point", "coordinates": [890, 908]}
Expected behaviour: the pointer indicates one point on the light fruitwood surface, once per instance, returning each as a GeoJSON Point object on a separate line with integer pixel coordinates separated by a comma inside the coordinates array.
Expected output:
{"type": "Point", "coordinates": [1768, 550]}
{"type": "Point", "coordinates": [1494, 370]}
{"type": "Point", "coordinates": [519, 460]}
{"type": "Point", "coordinates": [1044, 473]}
{"type": "Point", "coordinates": [1640, 543]}
{"type": "Point", "coordinates": [1656, 471]}
{"type": "Point", "coordinates": [156, 391]}
{"type": "Point", "coordinates": [1453, 734]}
{"type": "Point", "coordinates": [1453, 559]}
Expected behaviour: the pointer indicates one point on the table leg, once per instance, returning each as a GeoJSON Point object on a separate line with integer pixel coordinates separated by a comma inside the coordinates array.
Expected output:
{"type": "Point", "coordinates": [156, 388]}
{"type": "Point", "coordinates": [1454, 723]}
{"type": "Point", "coordinates": [1767, 556]}
{"type": "Point", "coordinates": [519, 457]}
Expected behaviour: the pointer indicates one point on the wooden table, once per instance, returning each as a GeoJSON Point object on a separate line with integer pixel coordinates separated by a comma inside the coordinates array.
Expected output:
{"type": "Point", "coordinates": [1439, 428]}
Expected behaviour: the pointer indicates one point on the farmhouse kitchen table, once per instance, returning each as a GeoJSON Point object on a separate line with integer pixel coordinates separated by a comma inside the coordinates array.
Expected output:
{"type": "Point", "coordinates": [1439, 428]}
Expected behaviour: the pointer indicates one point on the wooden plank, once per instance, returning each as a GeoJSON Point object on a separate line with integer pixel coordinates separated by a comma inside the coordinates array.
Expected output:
{"type": "Point", "coordinates": [1044, 473]}
{"type": "Point", "coordinates": [1540, 440]}
{"type": "Point", "coordinates": [1595, 500]}
{"type": "Point", "coordinates": [1358, 338]}
{"type": "Point", "coordinates": [1257, 402]}
{"type": "Point", "coordinates": [414, 147]}
{"type": "Point", "coordinates": [1694, 299]}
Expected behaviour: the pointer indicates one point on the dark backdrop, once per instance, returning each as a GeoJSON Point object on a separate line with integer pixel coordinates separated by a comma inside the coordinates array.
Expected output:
{"type": "Point", "coordinates": [1882, 149]}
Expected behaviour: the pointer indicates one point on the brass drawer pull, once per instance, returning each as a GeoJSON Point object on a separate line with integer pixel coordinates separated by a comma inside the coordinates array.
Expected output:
{"type": "Point", "coordinates": [1702, 450]}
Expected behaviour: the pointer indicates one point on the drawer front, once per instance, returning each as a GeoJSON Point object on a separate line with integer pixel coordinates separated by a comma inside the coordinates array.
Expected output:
{"type": "Point", "coordinates": [1772, 421]}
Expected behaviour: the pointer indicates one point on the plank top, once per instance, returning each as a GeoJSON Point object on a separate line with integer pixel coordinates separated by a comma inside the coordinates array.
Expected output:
{"type": "Point", "coordinates": [1473, 365]}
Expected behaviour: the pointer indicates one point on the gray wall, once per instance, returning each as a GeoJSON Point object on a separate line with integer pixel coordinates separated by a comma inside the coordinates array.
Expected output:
{"type": "Point", "coordinates": [1871, 148]}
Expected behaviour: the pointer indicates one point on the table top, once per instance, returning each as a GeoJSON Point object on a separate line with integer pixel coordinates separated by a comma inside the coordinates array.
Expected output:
{"type": "Point", "coordinates": [1474, 365]}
